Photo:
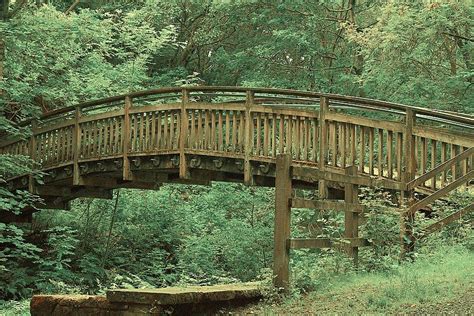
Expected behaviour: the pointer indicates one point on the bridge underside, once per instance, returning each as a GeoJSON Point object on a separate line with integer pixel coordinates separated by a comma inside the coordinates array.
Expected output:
{"type": "Point", "coordinates": [98, 179]}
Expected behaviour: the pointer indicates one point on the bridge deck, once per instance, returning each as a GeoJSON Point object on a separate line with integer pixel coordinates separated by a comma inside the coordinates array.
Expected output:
{"type": "Point", "coordinates": [200, 134]}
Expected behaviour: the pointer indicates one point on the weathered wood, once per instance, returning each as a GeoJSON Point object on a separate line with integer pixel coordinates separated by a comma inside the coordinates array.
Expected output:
{"type": "Point", "coordinates": [308, 243]}
{"type": "Point", "coordinates": [126, 175]}
{"type": "Point", "coordinates": [441, 192]}
{"type": "Point", "coordinates": [183, 134]}
{"type": "Point", "coordinates": [283, 191]}
{"type": "Point", "coordinates": [76, 145]}
{"type": "Point", "coordinates": [323, 146]}
{"type": "Point", "coordinates": [327, 205]}
{"type": "Point", "coordinates": [440, 168]}
{"type": "Point", "coordinates": [248, 141]}
{"type": "Point", "coordinates": [447, 220]}
{"type": "Point", "coordinates": [351, 218]}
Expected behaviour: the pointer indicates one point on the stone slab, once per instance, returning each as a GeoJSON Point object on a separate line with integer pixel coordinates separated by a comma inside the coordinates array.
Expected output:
{"type": "Point", "coordinates": [185, 295]}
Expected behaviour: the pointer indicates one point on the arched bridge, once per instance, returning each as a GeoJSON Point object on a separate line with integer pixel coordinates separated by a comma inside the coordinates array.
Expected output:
{"type": "Point", "coordinates": [281, 138]}
{"type": "Point", "coordinates": [198, 134]}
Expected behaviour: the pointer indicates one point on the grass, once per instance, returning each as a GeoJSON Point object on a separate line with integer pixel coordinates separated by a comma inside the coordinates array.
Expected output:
{"type": "Point", "coordinates": [432, 279]}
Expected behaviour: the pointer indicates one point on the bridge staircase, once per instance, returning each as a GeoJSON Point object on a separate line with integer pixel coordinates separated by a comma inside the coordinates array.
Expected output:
{"type": "Point", "coordinates": [437, 179]}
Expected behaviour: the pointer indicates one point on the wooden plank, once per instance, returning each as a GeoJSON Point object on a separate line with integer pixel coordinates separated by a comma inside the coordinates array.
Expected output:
{"type": "Point", "coordinates": [315, 142]}
{"type": "Point", "coordinates": [274, 135]}
{"type": "Point", "coordinates": [333, 141]}
{"type": "Point", "coordinates": [234, 131]}
{"type": "Point", "coordinates": [172, 131]}
{"type": "Point", "coordinates": [444, 153]}
{"type": "Point", "coordinates": [362, 121]}
{"type": "Point", "coordinates": [447, 220]}
{"type": "Point", "coordinates": [408, 140]}
{"type": "Point", "coordinates": [433, 163]}
{"type": "Point", "coordinates": [327, 205]}
{"type": "Point", "coordinates": [444, 135]}
{"type": "Point", "coordinates": [343, 143]}
{"type": "Point", "coordinates": [281, 134]}
{"type": "Point", "coordinates": [312, 243]}
{"type": "Point", "coordinates": [312, 175]}
{"type": "Point", "coordinates": [283, 191]}
{"type": "Point", "coordinates": [159, 133]}
{"type": "Point", "coordinates": [258, 135]}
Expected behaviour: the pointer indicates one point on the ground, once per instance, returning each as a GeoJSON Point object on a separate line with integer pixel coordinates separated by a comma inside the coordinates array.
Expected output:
{"type": "Point", "coordinates": [441, 286]}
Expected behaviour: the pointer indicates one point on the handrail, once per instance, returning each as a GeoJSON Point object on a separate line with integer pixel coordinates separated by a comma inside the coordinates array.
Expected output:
{"type": "Point", "coordinates": [440, 168]}
{"type": "Point", "coordinates": [352, 99]}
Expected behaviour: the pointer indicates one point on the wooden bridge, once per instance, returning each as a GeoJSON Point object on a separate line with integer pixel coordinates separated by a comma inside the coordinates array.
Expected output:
{"type": "Point", "coordinates": [200, 134]}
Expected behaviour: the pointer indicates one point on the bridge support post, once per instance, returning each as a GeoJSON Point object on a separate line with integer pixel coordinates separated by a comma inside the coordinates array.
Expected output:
{"type": "Point", "coordinates": [351, 218]}
{"type": "Point", "coordinates": [283, 191]}
{"type": "Point", "coordinates": [183, 167]}
{"type": "Point", "coordinates": [248, 174]}
{"type": "Point", "coordinates": [323, 144]}
{"type": "Point", "coordinates": [407, 239]}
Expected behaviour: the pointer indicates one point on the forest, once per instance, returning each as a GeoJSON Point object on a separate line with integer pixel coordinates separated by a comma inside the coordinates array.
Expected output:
{"type": "Point", "coordinates": [58, 53]}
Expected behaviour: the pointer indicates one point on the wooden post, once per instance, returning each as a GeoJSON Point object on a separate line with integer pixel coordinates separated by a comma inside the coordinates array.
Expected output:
{"type": "Point", "coordinates": [351, 219]}
{"type": "Point", "coordinates": [248, 177]}
{"type": "Point", "coordinates": [127, 175]}
{"type": "Point", "coordinates": [76, 147]}
{"type": "Point", "coordinates": [32, 154]}
{"type": "Point", "coordinates": [283, 190]}
{"type": "Point", "coordinates": [183, 134]}
{"type": "Point", "coordinates": [323, 145]}
{"type": "Point", "coordinates": [407, 239]}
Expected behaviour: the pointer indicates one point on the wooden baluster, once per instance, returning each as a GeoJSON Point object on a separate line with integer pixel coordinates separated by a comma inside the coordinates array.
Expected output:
{"type": "Point", "coordinates": [172, 130]}
{"type": "Point", "coordinates": [342, 141]}
{"type": "Point", "coordinates": [220, 131]}
{"type": "Point", "coordinates": [183, 134]}
{"type": "Point", "coordinates": [371, 150]}
{"type": "Point", "coordinates": [166, 130]}
{"type": "Point", "coordinates": [32, 153]}
{"type": "Point", "coordinates": [153, 131]}
{"type": "Point", "coordinates": [424, 155]}
{"type": "Point", "coordinates": [353, 145]}
{"type": "Point", "coordinates": [127, 175]}
{"type": "Point", "coordinates": [242, 131]}
{"type": "Point", "coordinates": [99, 141]}
{"type": "Point", "coordinates": [281, 134]}
{"type": "Point", "coordinates": [207, 132]}
{"type": "Point", "coordinates": [258, 132]}
{"type": "Point", "coordinates": [266, 136]}
{"type": "Point", "coordinates": [234, 130]}
{"type": "Point", "coordinates": [274, 136]}
{"type": "Point", "coordinates": [390, 154]}
{"type": "Point", "coordinates": [362, 150]}
{"type": "Point", "coordinates": [315, 128]}
{"type": "Point", "coordinates": [454, 169]}
{"type": "Point", "coordinates": [289, 120]}
{"type": "Point", "coordinates": [333, 137]}
{"type": "Point", "coordinates": [433, 162]}
{"type": "Point", "coordinates": [227, 131]}
{"type": "Point", "coordinates": [213, 130]}
{"type": "Point", "coordinates": [444, 153]}
{"type": "Point", "coordinates": [118, 135]}
{"type": "Point", "coordinates": [399, 156]}
{"type": "Point", "coordinates": [297, 137]}
{"type": "Point", "coordinates": [380, 152]}
{"type": "Point", "coordinates": [159, 132]}
{"type": "Point", "coordinates": [307, 133]}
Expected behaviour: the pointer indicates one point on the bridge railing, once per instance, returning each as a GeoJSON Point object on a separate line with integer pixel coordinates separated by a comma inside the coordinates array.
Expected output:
{"type": "Point", "coordinates": [382, 139]}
